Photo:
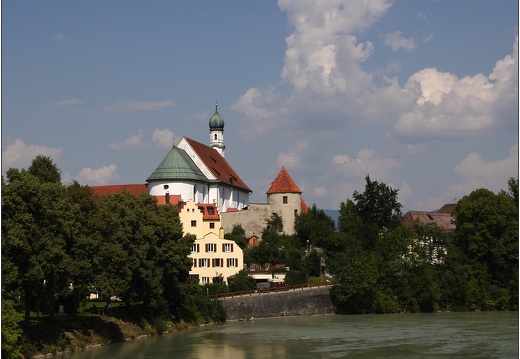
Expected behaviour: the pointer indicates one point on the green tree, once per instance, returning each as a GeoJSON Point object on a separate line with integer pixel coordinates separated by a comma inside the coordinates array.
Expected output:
{"type": "Point", "coordinates": [274, 225]}
{"type": "Point", "coordinates": [35, 218]}
{"type": "Point", "coordinates": [238, 234]}
{"type": "Point", "coordinates": [487, 230]}
{"type": "Point", "coordinates": [143, 256]}
{"type": "Point", "coordinates": [355, 279]}
{"type": "Point", "coordinates": [378, 204]}
{"type": "Point", "coordinates": [43, 167]}
{"type": "Point", "coordinates": [81, 245]}
{"type": "Point", "coordinates": [11, 331]}
{"type": "Point", "coordinates": [242, 282]}
{"type": "Point", "coordinates": [314, 227]}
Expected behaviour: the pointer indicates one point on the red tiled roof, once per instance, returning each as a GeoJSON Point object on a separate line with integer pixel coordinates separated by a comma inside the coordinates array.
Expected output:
{"type": "Point", "coordinates": [283, 183]}
{"type": "Point", "coordinates": [304, 207]}
{"type": "Point", "coordinates": [442, 220]}
{"type": "Point", "coordinates": [102, 191]}
{"type": "Point", "coordinates": [209, 211]}
{"type": "Point", "coordinates": [217, 164]}
{"type": "Point", "coordinates": [447, 208]}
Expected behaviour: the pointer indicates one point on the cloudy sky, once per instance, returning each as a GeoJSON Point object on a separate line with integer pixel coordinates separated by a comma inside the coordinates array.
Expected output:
{"type": "Point", "coordinates": [420, 95]}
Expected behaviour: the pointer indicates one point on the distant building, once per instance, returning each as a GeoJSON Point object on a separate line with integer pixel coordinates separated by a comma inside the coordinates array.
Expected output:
{"type": "Point", "coordinates": [442, 218]}
{"type": "Point", "coordinates": [215, 259]}
{"type": "Point", "coordinates": [283, 198]}
{"type": "Point", "coordinates": [432, 246]}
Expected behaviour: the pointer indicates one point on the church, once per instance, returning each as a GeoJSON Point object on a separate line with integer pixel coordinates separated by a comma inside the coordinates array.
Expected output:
{"type": "Point", "coordinates": [212, 198]}
{"type": "Point", "coordinates": [200, 173]}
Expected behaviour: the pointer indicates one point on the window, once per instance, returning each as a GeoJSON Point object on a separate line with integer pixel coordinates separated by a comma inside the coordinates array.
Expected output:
{"type": "Point", "coordinates": [227, 247]}
{"type": "Point", "coordinates": [211, 225]}
{"type": "Point", "coordinates": [215, 137]}
{"type": "Point", "coordinates": [211, 210]}
{"type": "Point", "coordinates": [217, 262]}
{"type": "Point", "coordinates": [194, 264]}
{"type": "Point", "coordinates": [194, 223]}
{"type": "Point", "coordinates": [295, 212]}
{"type": "Point", "coordinates": [211, 247]}
{"type": "Point", "coordinates": [204, 262]}
{"type": "Point", "coordinates": [195, 248]}
{"type": "Point", "coordinates": [285, 200]}
{"type": "Point", "coordinates": [232, 262]}
{"type": "Point", "coordinates": [205, 280]}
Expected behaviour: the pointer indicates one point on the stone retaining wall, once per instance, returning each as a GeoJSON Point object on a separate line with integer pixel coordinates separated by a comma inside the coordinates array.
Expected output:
{"type": "Point", "coordinates": [306, 301]}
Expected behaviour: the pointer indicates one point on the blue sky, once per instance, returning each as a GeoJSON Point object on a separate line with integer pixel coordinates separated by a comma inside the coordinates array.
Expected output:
{"type": "Point", "coordinates": [420, 95]}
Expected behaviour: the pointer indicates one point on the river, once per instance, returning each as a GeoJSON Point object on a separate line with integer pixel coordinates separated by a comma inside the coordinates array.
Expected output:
{"type": "Point", "coordinates": [439, 335]}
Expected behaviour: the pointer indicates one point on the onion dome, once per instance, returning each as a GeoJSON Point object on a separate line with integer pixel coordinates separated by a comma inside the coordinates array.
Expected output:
{"type": "Point", "coordinates": [216, 122]}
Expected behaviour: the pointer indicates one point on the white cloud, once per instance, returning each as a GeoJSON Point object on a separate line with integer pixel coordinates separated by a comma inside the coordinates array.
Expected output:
{"type": "Point", "coordinates": [59, 37]}
{"type": "Point", "coordinates": [395, 40]}
{"type": "Point", "coordinates": [163, 138]}
{"type": "Point", "coordinates": [20, 155]}
{"type": "Point", "coordinates": [133, 142]}
{"type": "Point", "coordinates": [366, 162]}
{"type": "Point", "coordinates": [99, 176]}
{"type": "Point", "coordinates": [71, 103]}
{"type": "Point", "coordinates": [293, 158]}
{"type": "Point", "coordinates": [476, 170]}
{"type": "Point", "coordinates": [122, 106]}
{"type": "Point", "coordinates": [447, 106]}
{"type": "Point", "coordinates": [322, 76]}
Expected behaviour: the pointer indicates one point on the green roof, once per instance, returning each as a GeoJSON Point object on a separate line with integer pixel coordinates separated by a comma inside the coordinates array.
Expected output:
{"type": "Point", "coordinates": [177, 165]}
{"type": "Point", "coordinates": [216, 122]}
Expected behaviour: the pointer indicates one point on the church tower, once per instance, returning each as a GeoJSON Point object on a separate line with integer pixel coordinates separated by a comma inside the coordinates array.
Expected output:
{"type": "Point", "coordinates": [216, 132]}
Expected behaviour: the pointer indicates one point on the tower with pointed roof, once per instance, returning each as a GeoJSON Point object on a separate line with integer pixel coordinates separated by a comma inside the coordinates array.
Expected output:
{"type": "Point", "coordinates": [216, 132]}
{"type": "Point", "coordinates": [284, 198]}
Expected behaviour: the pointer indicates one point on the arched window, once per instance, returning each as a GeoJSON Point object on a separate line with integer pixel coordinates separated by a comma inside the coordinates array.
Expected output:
{"type": "Point", "coordinates": [215, 136]}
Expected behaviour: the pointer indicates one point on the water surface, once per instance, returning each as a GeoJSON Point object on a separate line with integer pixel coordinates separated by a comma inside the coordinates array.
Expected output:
{"type": "Point", "coordinates": [439, 335]}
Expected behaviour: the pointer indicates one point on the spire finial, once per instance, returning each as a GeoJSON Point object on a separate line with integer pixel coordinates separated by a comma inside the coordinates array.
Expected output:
{"type": "Point", "coordinates": [216, 106]}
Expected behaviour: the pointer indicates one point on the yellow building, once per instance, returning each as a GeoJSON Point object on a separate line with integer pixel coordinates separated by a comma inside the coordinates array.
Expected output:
{"type": "Point", "coordinates": [215, 259]}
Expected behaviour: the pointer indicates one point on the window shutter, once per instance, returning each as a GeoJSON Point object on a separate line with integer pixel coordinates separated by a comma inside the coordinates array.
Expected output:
{"type": "Point", "coordinates": [223, 247]}
{"type": "Point", "coordinates": [200, 262]}
{"type": "Point", "coordinates": [231, 247]}
{"type": "Point", "coordinates": [194, 262]}
{"type": "Point", "coordinates": [198, 247]}
{"type": "Point", "coordinates": [227, 262]}
{"type": "Point", "coordinates": [212, 262]}
{"type": "Point", "coordinates": [206, 247]}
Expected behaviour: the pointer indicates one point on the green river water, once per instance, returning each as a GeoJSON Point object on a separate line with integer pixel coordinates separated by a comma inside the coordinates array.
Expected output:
{"type": "Point", "coordinates": [439, 335]}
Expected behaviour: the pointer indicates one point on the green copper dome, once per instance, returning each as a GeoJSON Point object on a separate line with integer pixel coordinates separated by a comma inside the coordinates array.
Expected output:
{"type": "Point", "coordinates": [177, 165]}
{"type": "Point", "coordinates": [216, 122]}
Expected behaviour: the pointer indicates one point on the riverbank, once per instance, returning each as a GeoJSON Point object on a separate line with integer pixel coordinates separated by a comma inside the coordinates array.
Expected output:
{"type": "Point", "coordinates": [65, 334]}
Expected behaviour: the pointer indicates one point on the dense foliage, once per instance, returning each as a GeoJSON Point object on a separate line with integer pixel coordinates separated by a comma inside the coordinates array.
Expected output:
{"type": "Point", "coordinates": [379, 266]}
{"type": "Point", "coordinates": [60, 245]}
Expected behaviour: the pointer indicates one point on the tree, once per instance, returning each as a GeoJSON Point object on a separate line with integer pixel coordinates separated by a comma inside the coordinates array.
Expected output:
{"type": "Point", "coordinates": [242, 282]}
{"type": "Point", "coordinates": [238, 234]}
{"type": "Point", "coordinates": [81, 245]}
{"type": "Point", "coordinates": [35, 218]}
{"type": "Point", "coordinates": [314, 227]}
{"type": "Point", "coordinates": [11, 331]}
{"type": "Point", "coordinates": [274, 225]}
{"type": "Point", "coordinates": [43, 167]}
{"type": "Point", "coordinates": [487, 230]}
{"type": "Point", "coordinates": [487, 233]}
{"type": "Point", "coordinates": [378, 204]}
{"type": "Point", "coordinates": [372, 212]}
